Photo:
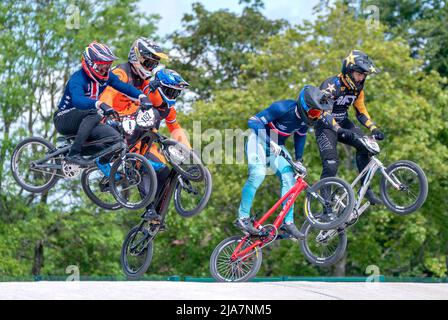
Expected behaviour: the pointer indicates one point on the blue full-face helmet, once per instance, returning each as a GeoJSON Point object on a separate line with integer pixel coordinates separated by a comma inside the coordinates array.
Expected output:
{"type": "Point", "coordinates": [170, 84]}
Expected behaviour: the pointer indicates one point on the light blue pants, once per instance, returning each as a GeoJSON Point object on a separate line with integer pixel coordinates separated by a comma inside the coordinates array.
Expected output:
{"type": "Point", "coordinates": [258, 165]}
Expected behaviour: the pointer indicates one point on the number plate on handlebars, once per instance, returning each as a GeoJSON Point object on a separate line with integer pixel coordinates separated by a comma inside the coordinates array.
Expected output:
{"type": "Point", "coordinates": [146, 119]}
{"type": "Point", "coordinates": [129, 124]}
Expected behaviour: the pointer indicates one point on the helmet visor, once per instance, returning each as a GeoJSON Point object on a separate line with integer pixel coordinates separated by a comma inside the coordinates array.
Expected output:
{"type": "Point", "coordinates": [150, 63]}
{"type": "Point", "coordinates": [171, 93]}
{"type": "Point", "coordinates": [314, 113]}
{"type": "Point", "coordinates": [102, 68]}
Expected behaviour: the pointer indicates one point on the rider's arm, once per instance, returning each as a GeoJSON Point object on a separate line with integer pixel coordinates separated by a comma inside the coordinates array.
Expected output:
{"type": "Point", "coordinates": [361, 112]}
{"type": "Point", "coordinates": [79, 100]}
{"type": "Point", "coordinates": [329, 121]}
{"type": "Point", "coordinates": [258, 122]}
{"type": "Point", "coordinates": [175, 129]}
{"type": "Point", "coordinates": [299, 143]}
{"type": "Point", "coordinates": [122, 87]}
{"type": "Point", "coordinates": [110, 93]}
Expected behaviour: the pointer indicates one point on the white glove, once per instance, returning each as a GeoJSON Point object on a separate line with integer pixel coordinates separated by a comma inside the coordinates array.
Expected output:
{"type": "Point", "coordinates": [275, 148]}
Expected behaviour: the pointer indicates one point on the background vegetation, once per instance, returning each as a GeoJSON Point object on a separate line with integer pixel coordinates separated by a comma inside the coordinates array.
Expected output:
{"type": "Point", "coordinates": [237, 64]}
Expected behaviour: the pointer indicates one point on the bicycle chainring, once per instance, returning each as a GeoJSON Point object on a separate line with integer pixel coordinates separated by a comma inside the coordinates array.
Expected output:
{"type": "Point", "coordinates": [268, 233]}
{"type": "Point", "coordinates": [70, 170]}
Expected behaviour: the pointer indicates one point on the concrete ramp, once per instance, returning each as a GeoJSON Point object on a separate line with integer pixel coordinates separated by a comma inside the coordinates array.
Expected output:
{"type": "Point", "coordinates": [172, 290]}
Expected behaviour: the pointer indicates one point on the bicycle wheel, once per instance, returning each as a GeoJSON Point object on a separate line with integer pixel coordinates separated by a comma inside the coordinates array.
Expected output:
{"type": "Point", "coordinates": [184, 160]}
{"type": "Point", "coordinates": [413, 187]}
{"type": "Point", "coordinates": [23, 168]}
{"type": "Point", "coordinates": [137, 185]}
{"type": "Point", "coordinates": [329, 203]}
{"type": "Point", "coordinates": [96, 187]}
{"type": "Point", "coordinates": [322, 248]}
{"type": "Point", "coordinates": [136, 253]}
{"type": "Point", "coordinates": [224, 269]}
{"type": "Point", "coordinates": [191, 197]}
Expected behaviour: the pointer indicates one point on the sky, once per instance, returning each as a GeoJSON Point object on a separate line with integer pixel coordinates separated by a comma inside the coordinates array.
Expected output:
{"type": "Point", "coordinates": [172, 11]}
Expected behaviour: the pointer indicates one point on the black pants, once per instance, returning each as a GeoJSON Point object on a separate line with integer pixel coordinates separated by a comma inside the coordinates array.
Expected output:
{"type": "Point", "coordinates": [162, 175]}
{"type": "Point", "coordinates": [87, 127]}
{"type": "Point", "coordinates": [327, 139]}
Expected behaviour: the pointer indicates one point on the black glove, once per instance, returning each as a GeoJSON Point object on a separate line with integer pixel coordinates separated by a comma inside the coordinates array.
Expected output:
{"type": "Point", "coordinates": [378, 134]}
{"type": "Point", "coordinates": [107, 110]}
{"type": "Point", "coordinates": [145, 103]}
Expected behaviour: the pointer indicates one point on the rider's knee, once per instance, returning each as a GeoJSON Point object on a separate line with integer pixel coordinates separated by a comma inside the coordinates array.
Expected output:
{"type": "Point", "coordinates": [256, 178]}
{"type": "Point", "coordinates": [287, 179]}
{"type": "Point", "coordinates": [330, 167]}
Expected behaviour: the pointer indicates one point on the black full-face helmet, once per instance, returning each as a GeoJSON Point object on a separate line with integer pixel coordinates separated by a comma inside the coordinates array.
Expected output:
{"type": "Point", "coordinates": [360, 62]}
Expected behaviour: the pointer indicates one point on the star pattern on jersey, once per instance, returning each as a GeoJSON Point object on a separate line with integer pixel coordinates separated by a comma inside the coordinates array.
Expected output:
{"type": "Point", "coordinates": [350, 59]}
{"type": "Point", "coordinates": [331, 87]}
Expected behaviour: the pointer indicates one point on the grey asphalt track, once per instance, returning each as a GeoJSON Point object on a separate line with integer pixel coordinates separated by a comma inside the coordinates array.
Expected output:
{"type": "Point", "coordinates": [171, 290]}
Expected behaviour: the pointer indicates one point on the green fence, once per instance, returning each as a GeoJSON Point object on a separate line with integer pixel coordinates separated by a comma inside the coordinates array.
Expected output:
{"type": "Point", "coordinates": [199, 279]}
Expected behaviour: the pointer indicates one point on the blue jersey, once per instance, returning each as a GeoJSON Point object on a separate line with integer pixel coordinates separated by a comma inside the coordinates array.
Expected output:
{"type": "Point", "coordinates": [82, 92]}
{"type": "Point", "coordinates": [283, 119]}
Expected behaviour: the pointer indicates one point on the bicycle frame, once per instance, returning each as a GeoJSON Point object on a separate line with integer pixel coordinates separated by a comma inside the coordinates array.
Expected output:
{"type": "Point", "coordinates": [163, 199]}
{"type": "Point", "coordinates": [291, 195]}
{"type": "Point", "coordinates": [369, 172]}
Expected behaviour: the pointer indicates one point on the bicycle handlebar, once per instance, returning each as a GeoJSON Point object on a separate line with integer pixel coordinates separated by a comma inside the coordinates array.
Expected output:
{"type": "Point", "coordinates": [299, 169]}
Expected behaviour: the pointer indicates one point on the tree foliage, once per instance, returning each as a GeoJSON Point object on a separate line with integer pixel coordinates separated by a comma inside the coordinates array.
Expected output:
{"type": "Point", "coordinates": [212, 46]}
{"type": "Point", "coordinates": [244, 62]}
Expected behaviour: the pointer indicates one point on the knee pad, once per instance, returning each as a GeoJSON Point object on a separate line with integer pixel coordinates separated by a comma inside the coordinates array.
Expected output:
{"type": "Point", "coordinates": [330, 167]}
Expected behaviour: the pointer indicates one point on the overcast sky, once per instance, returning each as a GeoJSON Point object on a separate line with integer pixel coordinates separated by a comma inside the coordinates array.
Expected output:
{"type": "Point", "coordinates": [172, 11]}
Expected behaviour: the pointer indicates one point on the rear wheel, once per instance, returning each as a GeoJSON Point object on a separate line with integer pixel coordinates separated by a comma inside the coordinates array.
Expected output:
{"type": "Point", "coordinates": [133, 181]}
{"type": "Point", "coordinates": [323, 247]}
{"type": "Point", "coordinates": [96, 187]}
{"type": "Point", "coordinates": [413, 189]}
{"type": "Point", "coordinates": [25, 170]}
{"type": "Point", "coordinates": [225, 269]}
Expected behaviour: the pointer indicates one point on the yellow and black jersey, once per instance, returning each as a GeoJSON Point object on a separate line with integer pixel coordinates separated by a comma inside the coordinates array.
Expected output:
{"type": "Point", "coordinates": [343, 98]}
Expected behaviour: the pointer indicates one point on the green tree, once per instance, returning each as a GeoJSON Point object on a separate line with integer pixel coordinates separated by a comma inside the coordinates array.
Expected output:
{"type": "Point", "coordinates": [407, 103]}
{"type": "Point", "coordinates": [40, 47]}
{"type": "Point", "coordinates": [212, 46]}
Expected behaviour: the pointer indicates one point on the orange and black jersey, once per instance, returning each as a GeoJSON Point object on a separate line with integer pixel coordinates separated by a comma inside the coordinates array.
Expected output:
{"type": "Point", "coordinates": [126, 106]}
{"type": "Point", "coordinates": [344, 97]}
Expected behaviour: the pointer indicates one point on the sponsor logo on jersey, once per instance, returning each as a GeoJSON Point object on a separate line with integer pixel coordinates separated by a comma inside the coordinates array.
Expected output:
{"type": "Point", "coordinates": [345, 100]}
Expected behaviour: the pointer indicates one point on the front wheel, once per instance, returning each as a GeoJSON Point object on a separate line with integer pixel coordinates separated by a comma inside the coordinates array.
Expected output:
{"type": "Point", "coordinates": [412, 191]}
{"type": "Point", "coordinates": [184, 160]}
{"type": "Point", "coordinates": [329, 203]}
{"type": "Point", "coordinates": [136, 252]}
{"type": "Point", "coordinates": [225, 268]}
{"type": "Point", "coordinates": [323, 248]}
{"type": "Point", "coordinates": [191, 197]}
{"type": "Point", "coordinates": [33, 177]}
{"type": "Point", "coordinates": [133, 181]}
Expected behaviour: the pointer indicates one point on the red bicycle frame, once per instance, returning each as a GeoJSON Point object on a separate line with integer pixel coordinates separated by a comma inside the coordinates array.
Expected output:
{"type": "Point", "coordinates": [292, 194]}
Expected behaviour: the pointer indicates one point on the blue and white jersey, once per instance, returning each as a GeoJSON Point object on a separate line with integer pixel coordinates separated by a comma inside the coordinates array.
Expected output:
{"type": "Point", "coordinates": [283, 119]}
{"type": "Point", "coordinates": [82, 92]}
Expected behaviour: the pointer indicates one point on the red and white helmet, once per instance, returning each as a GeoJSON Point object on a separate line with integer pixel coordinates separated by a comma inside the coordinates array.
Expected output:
{"type": "Point", "coordinates": [144, 57]}
{"type": "Point", "coordinates": [97, 59]}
